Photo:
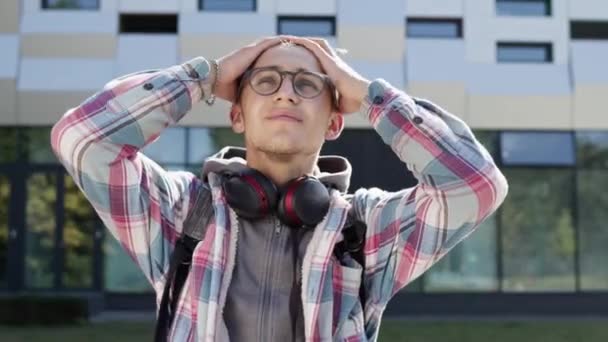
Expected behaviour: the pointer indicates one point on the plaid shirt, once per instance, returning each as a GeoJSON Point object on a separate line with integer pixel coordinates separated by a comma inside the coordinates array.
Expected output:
{"type": "Point", "coordinates": [144, 206]}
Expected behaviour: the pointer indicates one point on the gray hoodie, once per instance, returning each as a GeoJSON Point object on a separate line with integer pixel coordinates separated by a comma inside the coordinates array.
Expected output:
{"type": "Point", "coordinates": [264, 301]}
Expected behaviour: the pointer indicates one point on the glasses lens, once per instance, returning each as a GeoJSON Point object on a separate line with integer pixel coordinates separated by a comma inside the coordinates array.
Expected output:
{"type": "Point", "coordinates": [265, 81]}
{"type": "Point", "coordinates": [308, 85]}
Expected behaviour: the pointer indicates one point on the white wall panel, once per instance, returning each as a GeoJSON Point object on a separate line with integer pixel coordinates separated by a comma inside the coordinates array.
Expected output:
{"type": "Point", "coordinates": [149, 6]}
{"type": "Point", "coordinates": [366, 12]}
{"type": "Point", "coordinates": [518, 79]}
{"type": "Point", "coordinates": [435, 60]}
{"type": "Point", "coordinates": [228, 23]}
{"type": "Point", "coordinates": [138, 52]}
{"type": "Point", "coordinates": [64, 74]}
{"type": "Point", "coordinates": [590, 62]}
{"type": "Point", "coordinates": [391, 72]}
{"type": "Point", "coordinates": [9, 58]}
{"type": "Point", "coordinates": [70, 22]}
{"type": "Point", "coordinates": [309, 7]}
{"type": "Point", "coordinates": [434, 8]}
{"type": "Point", "coordinates": [588, 9]}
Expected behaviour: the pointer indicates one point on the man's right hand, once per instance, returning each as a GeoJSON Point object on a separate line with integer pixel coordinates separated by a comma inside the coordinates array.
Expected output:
{"type": "Point", "coordinates": [234, 64]}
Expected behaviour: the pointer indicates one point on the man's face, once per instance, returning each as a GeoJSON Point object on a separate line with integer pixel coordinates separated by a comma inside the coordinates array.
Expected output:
{"type": "Point", "coordinates": [285, 122]}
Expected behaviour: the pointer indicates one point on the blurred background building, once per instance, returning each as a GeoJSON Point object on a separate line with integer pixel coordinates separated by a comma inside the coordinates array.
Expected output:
{"type": "Point", "coordinates": [529, 76]}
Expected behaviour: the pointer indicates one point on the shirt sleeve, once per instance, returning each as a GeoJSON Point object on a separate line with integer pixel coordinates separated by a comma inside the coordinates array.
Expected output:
{"type": "Point", "coordinates": [99, 144]}
{"type": "Point", "coordinates": [459, 186]}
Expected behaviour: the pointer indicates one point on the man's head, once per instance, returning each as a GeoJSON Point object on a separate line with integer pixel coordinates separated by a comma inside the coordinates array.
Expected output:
{"type": "Point", "coordinates": [294, 119]}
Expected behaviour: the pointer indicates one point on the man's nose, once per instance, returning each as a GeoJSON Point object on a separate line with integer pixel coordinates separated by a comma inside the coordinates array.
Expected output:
{"type": "Point", "coordinates": [286, 91]}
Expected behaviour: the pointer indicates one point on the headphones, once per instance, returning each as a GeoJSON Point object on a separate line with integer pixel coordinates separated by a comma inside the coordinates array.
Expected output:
{"type": "Point", "coordinates": [302, 202]}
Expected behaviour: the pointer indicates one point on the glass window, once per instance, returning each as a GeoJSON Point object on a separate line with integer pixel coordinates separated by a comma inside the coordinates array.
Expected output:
{"type": "Point", "coordinates": [489, 140]}
{"type": "Point", "coordinates": [8, 144]}
{"type": "Point", "coordinates": [524, 53]}
{"type": "Point", "coordinates": [434, 28]}
{"type": "Point", "coordinates": [470, 266]}
{"type": "Point", "coordinates": [592, 149]}
{"type": "Point", "coordinates": [227, 5]}
{"type": "Point", "coordinates": [203, 142]}
{"type": "Point", "coordinates": [537, 232]}
{"type": "Point", "coordinates": [523, 7]}
{"type": "Point", "coordinates": [593, 228]}
{"type": "Point", "coordinates": [78, 233]}
{"type": "Point", "coordinates": [40, 230]}
{"type": "Point", "coordinates": [5, 197]}
{"type": "Point", "coordinates": [121, 274]}
{"type": "Point", "coordinates": [169, 147]}
{"type": "Point", "coordinates": [148, 23]}
{"type": "Point", "coordinates": [70, 4]}
{"type": "Point", "coordinates": [307, 26]}
{"type": "Point", "coordinates": [589, 29]}
{"type": "Point", "coordinates": [537, 148]}
{"type": "Point", "coordinates": [37, 145]}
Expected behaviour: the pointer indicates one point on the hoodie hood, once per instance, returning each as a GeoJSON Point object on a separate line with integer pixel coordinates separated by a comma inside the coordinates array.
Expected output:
{"type": "Point", "coordinates": [333, 170]}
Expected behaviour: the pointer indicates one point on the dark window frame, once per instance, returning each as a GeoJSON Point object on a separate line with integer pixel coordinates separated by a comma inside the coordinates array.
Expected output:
{"type": "Point", "coordinates": [548, 8]}
{"type": "Point", "coordinates": [306, 18]}
{"type": "Point", "coordinates": [548, 46]}
{"type": "Point", "coordinates": [132, 23]}
{"type": "Point", "coordinates": [201, 8]}
{"type": "Point", "coordinates": [44, 5]}
{"type": "Point", "coordinates": [589, 29]}
{"type": "Point", "coordinates": [457, 21]}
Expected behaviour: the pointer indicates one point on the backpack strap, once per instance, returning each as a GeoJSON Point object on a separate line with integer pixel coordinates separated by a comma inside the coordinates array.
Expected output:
{"type": "Point", "coordinates": [194, 228]}
{"type": "Point", "coordinates": [354, 238]}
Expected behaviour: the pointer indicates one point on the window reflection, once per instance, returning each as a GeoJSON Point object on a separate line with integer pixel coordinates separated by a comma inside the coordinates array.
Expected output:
{"type": "Point", "coordinates": [592, 149]}
{"type": "Point", "coordinates": [537, 148]}
{"type": "Point", "coordinates": [121, 274]}
{"type": "Point", "coordinates": [303, 26]}
{"type": "Point", "coordinates": [78, 237]}
{"type": "Point", "coordinates": [227, 5]}
{"type": "Point", "coordinates": [593, 228]}
{"type": "Point", "coordinates": [433, 28]}
{"type": "Point", "coordinates": [40, 228]}
{"type": "Point", "coordinates": [37, 145]}
{"type": "Point", "coordinates": [8, 144]}
{"type": "Point", "coordinates": [70, 4]}
{"type": "Point", "coordinates": [470, 266]}
{"type": "Point", "coordinates": [537, 239]}
{"type": "Point", "coordinates": [515, 52]}
{"type": "Point", "coordinates": [523, 7]}
{"type": "Point", "coordinates": [5, 193]}
{"type": "Point", "coordinates": [203, 142]}
{"type": "Point", "coordinates": [169, 147]}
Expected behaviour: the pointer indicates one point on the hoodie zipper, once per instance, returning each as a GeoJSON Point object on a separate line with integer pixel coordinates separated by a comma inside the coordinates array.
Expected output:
{"type": "Point", "coordinates": [269, 277]}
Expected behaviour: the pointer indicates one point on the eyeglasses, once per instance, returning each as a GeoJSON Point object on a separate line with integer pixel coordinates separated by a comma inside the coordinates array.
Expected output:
{"type": "Point", "coordinates": [268, 80]}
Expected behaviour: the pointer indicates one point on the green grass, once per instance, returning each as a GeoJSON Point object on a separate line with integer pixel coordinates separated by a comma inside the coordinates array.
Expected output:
{"type": "Point", "coordinates": [392, 330]}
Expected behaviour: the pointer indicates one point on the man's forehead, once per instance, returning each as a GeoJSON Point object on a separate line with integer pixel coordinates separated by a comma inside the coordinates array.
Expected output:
{"type": "Point", "coordinates": [290, 58]}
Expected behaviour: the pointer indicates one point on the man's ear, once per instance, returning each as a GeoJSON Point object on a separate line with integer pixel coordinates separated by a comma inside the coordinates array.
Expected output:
{"type": "Point", "coordinates": [236, 119]}
{"type": "Point", "coordinates": [335, 127]}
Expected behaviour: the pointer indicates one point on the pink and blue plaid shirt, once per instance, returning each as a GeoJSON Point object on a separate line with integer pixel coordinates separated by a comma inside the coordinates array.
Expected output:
{"type": "Point", "coordinates": [144, 206]}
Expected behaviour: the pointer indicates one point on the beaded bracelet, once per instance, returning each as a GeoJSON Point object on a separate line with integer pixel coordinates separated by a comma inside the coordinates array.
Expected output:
{"type": "Point", "coordinates": [216, 68]}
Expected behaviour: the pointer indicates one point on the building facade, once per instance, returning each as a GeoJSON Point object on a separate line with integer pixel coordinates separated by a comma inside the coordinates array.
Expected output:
{"type": "Point", "coordinates": [529, 76]}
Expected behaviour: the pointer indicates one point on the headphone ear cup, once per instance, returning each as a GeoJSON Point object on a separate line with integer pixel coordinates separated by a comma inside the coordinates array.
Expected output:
{"type": "Point", "coordinates": [250, 194]}
{"type": "Point", "coordinates": [304, 202]}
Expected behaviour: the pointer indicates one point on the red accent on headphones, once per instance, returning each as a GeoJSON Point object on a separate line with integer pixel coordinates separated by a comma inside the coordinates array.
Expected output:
{"type": "Point", "coordinates": [304, 203]}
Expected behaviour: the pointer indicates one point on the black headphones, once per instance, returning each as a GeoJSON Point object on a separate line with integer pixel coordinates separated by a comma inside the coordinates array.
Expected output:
{"type": "Point", "coordinates": [302, 202]}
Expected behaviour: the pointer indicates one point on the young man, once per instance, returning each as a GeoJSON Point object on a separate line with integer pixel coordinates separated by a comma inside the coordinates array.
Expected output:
{"type": "Point", "coordinates": [284, 281]}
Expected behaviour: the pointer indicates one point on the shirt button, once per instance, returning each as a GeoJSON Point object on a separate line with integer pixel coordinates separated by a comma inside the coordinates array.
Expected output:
{"type": "Point", "coordinates": [148, 86]}
{"type": "Point", "coordinates": [418, 120]}
{"type": "Point", "coordinates": [194, 74]}
{"type": "Point", "coordinates": [378, 100]}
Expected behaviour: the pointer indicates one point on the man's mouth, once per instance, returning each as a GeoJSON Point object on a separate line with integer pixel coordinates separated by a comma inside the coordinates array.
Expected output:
{"type": "Point", "coordinates": [284, 115]}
